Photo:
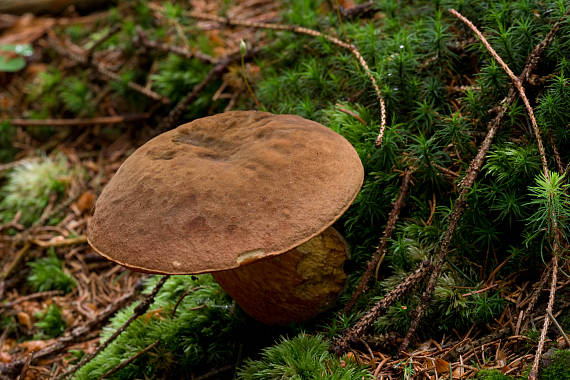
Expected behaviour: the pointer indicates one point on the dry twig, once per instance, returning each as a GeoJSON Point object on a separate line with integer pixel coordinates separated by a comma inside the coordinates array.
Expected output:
{"type": "Point", "coordinates": [14, 263]}
{"type": "Point", "coordinates": [129, 360]}
{"type": "Point", "coordinates": [341, 344]}
{"type": "Point", "coordinates": [380, 251]}
{"type": "Point", "coordinates": [549, 312]}
{"type": "Point", "coordinates": [77, 122]}
{"type": "Point", "coordinates": [557, 233]}
{"type": "Point", "coordinates": [183, 52]}
{"type": "Point", "coordinates": [57, 46]}
{"type": "Point", "coordinates": [58, 242]}
{"type": "Point", "coordinates": [110, 33]}
{"type": "Point", "coordinates": [214, 73]}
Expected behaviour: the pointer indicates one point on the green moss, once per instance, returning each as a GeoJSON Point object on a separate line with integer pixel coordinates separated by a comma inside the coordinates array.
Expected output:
{"type": "Point", "coordinates": [47, 274]}
{"type": "Point", "coordinates": [559, 368]}
{"type": "Point", "coordinates": [76, 96]}
{"type": "Point", "coordinates": [50, 323]}
{"type": "Point", "coordinates": [303, 357]}
{"type": "Point", "coordinates": [492, 374]}
{"type": "Point", "coordinates": [7, 134]}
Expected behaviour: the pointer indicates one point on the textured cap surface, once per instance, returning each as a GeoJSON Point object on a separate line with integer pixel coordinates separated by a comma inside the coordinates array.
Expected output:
{"type": "Point", "coordinates": [224, 191]}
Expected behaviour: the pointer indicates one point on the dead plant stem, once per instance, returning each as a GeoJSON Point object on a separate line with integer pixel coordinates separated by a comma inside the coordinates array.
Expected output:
{"type": "Point", "coordinates": [377, 256]}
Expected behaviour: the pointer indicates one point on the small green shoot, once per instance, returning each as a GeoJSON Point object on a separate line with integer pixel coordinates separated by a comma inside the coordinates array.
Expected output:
{"type": "Point", "coordinates": [50, 323]}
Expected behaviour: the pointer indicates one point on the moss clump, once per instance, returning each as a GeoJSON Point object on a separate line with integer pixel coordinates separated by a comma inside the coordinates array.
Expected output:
{"type": "Point", "coordinates": [559, 368]}
{"type": "Point", "coordinates": [29, 187]}
{"type": "Point", "coordinates": [200, 336]}
{"type": "Point", "coordinates": [51, 323]}
{"type": "Point", "coordinates": [303, 357]}
{"type": "Point", "coordinates": [492, 374]}
{"type": "Point", "coordinates": [47, 274]}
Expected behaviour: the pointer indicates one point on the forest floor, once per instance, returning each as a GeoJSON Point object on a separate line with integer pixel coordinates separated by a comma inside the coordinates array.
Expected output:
{"type": "Point", "coordinates": [83, 99]}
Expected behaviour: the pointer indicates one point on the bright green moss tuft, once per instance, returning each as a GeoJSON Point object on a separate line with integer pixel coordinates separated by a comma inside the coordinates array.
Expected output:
{"type": "Point", "coordinates": [50, 323]}
{"type": "Point", "coordinates": [492, 374]}
{"type": "Point", "coordinates": [47, 274]}
{"type": "Point", "coordinates": [303, 357]}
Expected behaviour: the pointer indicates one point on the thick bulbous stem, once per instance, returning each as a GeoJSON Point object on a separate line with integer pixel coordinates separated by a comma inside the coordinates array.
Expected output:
{"type": "Point", "coordinates": [291, 287]}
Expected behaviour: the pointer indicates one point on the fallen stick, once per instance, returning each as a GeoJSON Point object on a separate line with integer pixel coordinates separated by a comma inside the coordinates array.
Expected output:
{"type": "Point", "coordinates": [183, 52]}
{"type": "Point", "coordinates": [379, 253]}
{"type": "Point", "coordinates": [214, 73]}
{"type": "Point", "coordinates": [557, 234]}
{"type": "Point", "coordinates": [14, 263]}
{"type": "Point", "coordinates": [341, 344]}
{"type": "Point", "coordinates": [60, 242]}
{"type": "Point", "coordinates": [129, 360]}
{"type": "Point", "coordinates": [76, 122]}
{"type": "Point", "coordinates": [57, 46]}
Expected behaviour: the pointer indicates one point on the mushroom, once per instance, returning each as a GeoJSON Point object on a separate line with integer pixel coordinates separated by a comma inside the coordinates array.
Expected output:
{"type": "Point", "coordinates": [248, 196]}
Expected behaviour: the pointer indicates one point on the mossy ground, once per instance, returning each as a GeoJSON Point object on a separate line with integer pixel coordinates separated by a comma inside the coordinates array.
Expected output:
{"type": "Point", "coordinates": [440, 87]}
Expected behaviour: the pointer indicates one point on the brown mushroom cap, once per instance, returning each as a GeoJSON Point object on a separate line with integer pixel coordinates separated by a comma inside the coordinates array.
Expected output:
{"type": "Point", "coordinates": [224, 191]}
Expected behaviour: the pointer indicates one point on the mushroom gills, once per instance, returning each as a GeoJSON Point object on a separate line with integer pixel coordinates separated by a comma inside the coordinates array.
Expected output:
{"type": "Point", "coordinates": [291, 287]}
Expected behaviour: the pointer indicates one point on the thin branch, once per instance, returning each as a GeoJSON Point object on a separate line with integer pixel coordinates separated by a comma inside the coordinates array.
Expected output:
{"type": "Point", "coordinates": [380, 251]}
{"type": "Point", "coordinates": [183, 52]}
{"type": "Point", "coordinates": [129, 360]}
{"type": "Point", "coordinates": [82, 239]}
{"type": "Point", "coordinates": [77, 122]}
{"type": "Point", "coordinates": [14, 263]}
{"type": "Point", "coordinates": [139, 310]}
{"type": "Point", "coordinates": [533, 375]}
{"type": "Point", "coordinates": [518, 84]}
{"type": "Point", "coordinates": [26, 367]}
{"type": "Point", "coordinates": [310, 32]}
{"type": "Point", "coordinates": [533, 299]}
{"type": "Point", "coordinates": [57, 46]}
{"type": "Point", "coordinates": [557, 233]}
{"type": "Point", "coordinates": [341, 344]}
{"type": "Point", "coordinates": [214, 73]}
{"type": "Point", "coordinates": [110, 33]}
{"type": "Point", "coordinates": [549, 312]}
{"type": "Point", "coordinates": [47, 294]}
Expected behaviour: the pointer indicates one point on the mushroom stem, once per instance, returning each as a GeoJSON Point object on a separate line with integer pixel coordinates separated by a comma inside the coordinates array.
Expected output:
{"type": "Point", "coordinates": [291, 287]}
